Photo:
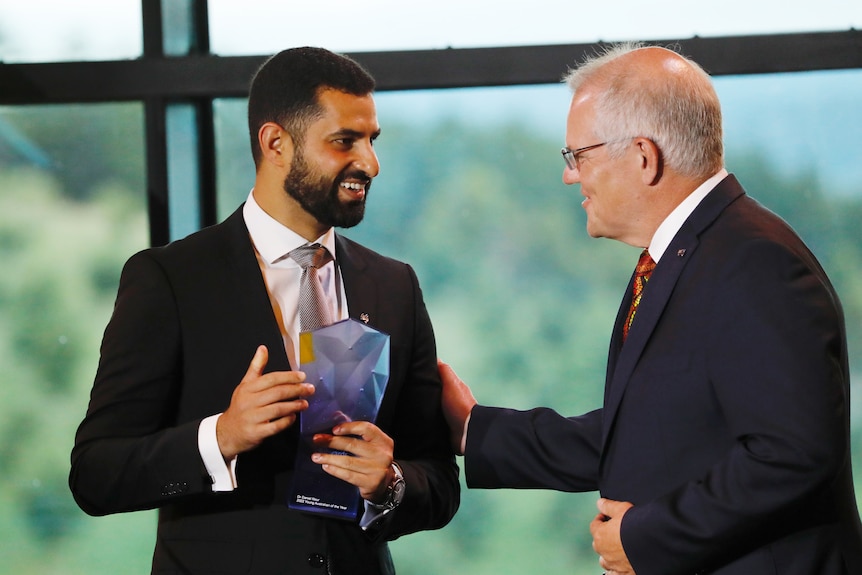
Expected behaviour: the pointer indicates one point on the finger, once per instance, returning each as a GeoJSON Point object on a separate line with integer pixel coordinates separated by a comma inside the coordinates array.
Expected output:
{"type": "Point", "coordinates": [600, 519]}
{"type": "Point", "coordinates": [442, 366]}
{"type": "Point", "coordinates": [377, 453]}
{"type": "Point", "coordinates": [613, 509]}
{"type": "Point", "coordinates": [367, 431]}
{"type": "Point", "coordinates": [601, 504]}
{"type": "Point", "coordinates": [353, 455]}
{"type": "Point", "coordinates": [353, 470]}
{"type": "Point", "coordinates": [274, 379]}
{"type": "Point", "coordinates": [372, 437]}
{"type": "Point", "coordinates": [597, 522]}
{"type": "Point", "coordinates": [283, 393]}
{"type": "Point", "coordinates": [336, 466]}
{"type": "Point", "coordinates": [322, 440]}
{"type": "Point", "coordinates": [255, 378]}
{"type": "Point", "coordinates": [271, 419]}
{"type": "Point", "coordinates": [258, 362]}
{"type": "Point", "coordinates": [344, 467]}
{"type": "Point", "coordinates": [610, 508]}
{"type": "Point", "coordinates": [451, 380]}
{"type": "Point", "coordinates": [276, 425]}
{"type": "Point", "coordinates": [283, 409]}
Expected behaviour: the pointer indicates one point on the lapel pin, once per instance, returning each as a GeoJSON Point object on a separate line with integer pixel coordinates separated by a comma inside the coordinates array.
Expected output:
{"type": "Point", "coordinates": [680, 253]}
{"type": "Point", "coordinates": [364, 317]}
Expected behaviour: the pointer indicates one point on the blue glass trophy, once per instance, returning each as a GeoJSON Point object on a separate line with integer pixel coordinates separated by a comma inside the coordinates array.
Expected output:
{"type": "Point", "coordinates": [348, 364]}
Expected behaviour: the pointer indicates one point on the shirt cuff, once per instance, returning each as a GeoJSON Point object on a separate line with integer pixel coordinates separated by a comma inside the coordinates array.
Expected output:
{"type": "Point", "coordinates": [371, 515]}
{"type": "Point", "coordinates": [464, 435]}
{"type": "Point", "coordinates": [222, 473]}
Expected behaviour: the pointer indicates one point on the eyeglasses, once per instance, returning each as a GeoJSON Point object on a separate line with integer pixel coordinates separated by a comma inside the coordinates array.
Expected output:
{"type": "Point", "coordinates": [573, 157]}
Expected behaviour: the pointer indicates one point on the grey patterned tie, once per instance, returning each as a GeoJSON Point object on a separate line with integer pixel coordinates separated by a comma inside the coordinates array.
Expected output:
{"type": "Point", "coordinates": [313, 311]}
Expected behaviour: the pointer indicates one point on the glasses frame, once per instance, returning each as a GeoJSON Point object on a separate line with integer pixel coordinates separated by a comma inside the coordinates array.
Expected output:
{"type": "Point", "coordinates": [572, 157]}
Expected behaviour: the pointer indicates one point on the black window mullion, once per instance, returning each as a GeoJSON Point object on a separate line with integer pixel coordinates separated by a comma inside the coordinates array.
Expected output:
{"type": "Point", "coordinates": [154, 130]}
{"type": "Point", "coordinates": [206, 122]}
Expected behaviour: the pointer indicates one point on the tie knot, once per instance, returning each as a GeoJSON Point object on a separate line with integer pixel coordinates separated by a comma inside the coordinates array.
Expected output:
{"type": "Point", "coordinates": [315, 256]}
{"type": "Point", "coordinates": [645, 264]}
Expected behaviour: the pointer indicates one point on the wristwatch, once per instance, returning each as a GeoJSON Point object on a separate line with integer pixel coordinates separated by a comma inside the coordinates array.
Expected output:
{"type": "Point", "coordinates": [394, 491]}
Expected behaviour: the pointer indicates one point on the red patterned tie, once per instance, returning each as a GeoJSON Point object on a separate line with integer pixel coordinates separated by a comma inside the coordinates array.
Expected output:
{"type": "Point", "coordinates": [642, 273]}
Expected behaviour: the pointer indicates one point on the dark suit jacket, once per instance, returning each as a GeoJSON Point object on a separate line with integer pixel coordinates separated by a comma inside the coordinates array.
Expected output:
{"type": "Point", "coordinates": [726, 412]}
{"type": "Point", "coordinates": [186, 323]}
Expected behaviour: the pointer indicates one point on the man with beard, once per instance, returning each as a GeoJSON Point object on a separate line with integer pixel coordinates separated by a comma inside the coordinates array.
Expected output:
{"type": "Point", "coordinates": [196, 397]}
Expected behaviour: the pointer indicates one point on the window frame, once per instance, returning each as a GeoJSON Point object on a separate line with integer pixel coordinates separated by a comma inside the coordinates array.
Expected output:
{"type": "Point", "coordinates": [160, 81]}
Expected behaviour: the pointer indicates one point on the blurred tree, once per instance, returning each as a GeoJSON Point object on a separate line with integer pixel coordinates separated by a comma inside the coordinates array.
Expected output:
{"type": "Point", "coordinates": [521, 298]}
{"type": "Point", "coordinates": [111, 134]}
{"type": "Point", "coordinates": [61, 259]}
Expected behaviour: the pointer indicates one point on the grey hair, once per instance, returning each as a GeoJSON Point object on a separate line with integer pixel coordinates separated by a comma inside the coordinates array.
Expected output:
{"type": "Point", "coordinates": [679, 112]}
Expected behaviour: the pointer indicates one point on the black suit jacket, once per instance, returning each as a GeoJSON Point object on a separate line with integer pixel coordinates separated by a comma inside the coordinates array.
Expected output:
{"type": "Point", "coordinates": [186, 323]}
{"type": "Point", "coordinates": [726, 413]}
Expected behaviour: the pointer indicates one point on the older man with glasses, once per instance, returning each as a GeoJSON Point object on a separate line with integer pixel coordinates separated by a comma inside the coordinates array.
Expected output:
{"type": "Point", "coordinates": [723, 442]}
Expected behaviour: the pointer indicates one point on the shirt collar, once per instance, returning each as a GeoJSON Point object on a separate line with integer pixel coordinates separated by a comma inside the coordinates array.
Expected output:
{"type": "Point", "coordinates": [272, 240]}
{"type": "Point", "coordinates": [674, 221]}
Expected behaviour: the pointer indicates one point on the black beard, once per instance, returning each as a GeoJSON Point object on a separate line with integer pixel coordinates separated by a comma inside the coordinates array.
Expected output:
{"type": "Point", "coordinates": [319, 196]}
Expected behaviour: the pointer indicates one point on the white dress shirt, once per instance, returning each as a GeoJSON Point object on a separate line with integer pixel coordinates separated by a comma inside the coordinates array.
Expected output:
{"type": "Point", "coordinates": [674, 221]}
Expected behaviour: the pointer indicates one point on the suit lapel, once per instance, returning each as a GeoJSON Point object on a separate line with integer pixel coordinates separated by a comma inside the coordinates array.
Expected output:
{"type": "Point", "coordinates": [622, 359]}
{"type": "Point", "coordinates": [250, 299]}
{"type": "Point", "coordinates": [359, 286]}
{"type": "Point", "coordinates": [617, 336]}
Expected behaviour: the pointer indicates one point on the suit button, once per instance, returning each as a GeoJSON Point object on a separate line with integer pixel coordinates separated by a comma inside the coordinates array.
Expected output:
{"type": "Point", "coordinates": [174, 489]}
{"type": "Point", "coordinates": [316, 561]}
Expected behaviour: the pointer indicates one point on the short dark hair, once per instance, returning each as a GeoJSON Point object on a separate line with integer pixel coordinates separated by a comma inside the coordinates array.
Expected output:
{"type": "Point", "coordinates": [285, 89]}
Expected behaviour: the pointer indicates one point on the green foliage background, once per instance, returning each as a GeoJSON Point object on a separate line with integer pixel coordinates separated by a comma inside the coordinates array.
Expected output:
{"type": "Point", "coordinates": [479, 211]}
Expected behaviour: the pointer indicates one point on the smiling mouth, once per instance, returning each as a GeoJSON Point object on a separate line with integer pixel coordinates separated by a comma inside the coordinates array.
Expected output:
{"type": "Point", "coordinates": [355, 189]}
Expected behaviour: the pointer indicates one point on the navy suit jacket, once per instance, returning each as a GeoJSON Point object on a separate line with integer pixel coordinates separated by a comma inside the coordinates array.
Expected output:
{"type": "Point", "coordinates": [726, 412]}
{"type": "Point", "coordinates": [187, 320]}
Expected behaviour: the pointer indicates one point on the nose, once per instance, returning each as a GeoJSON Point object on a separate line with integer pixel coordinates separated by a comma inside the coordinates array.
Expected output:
{"type": "Point", "coordinates": [571, 176]}
{"type": "Point", "coordinates": [366, 160]}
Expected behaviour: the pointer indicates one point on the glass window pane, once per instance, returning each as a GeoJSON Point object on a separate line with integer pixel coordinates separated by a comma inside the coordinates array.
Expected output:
{"type": "Point", "coordinates": [234, 165]}
{"type": "Point", "coordinates": [72, 209]}
{"type": "Point", "coordinates": [806, 124]}
{"type": "Point", "coordinates": [184, 204]}
{"type": "Point", "coordinates": [470, 193]}
{"type": "Point", "coordinates": [177, 24]}
{"type": "Point", "coordinates": [345, 25]}
{"type": "Point", "coordinates": [58, 31]}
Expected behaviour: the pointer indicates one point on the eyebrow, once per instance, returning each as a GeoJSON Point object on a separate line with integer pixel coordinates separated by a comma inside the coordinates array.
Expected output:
{"type": "Point", "coordinates": [347, 132]}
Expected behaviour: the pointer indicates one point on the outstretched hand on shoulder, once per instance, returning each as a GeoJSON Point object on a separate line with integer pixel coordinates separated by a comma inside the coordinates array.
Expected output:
{"type": "Point", "coordinates": [457, 403]}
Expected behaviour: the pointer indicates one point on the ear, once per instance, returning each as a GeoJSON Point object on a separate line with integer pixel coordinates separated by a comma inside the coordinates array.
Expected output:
{"type": "Point", "coordinates": [276, 145]}
{"type": "Point", "coordinates": [651, 161]}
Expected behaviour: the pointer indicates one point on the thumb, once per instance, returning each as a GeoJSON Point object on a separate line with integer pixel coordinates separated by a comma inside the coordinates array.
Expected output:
{"type": "Point", "coordinates": [606, 506]}
{"type": "Point", "coordinates": [258, 362]}
{"type": "Point", "coordinates": [445, 369]}
{"type": "Point", "coordinates": [611, 508]}
{"type": "Point", "coordinates": [447, 372]}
